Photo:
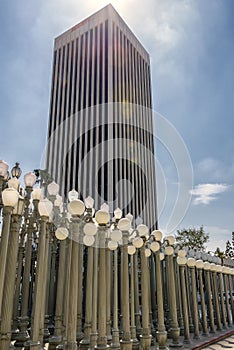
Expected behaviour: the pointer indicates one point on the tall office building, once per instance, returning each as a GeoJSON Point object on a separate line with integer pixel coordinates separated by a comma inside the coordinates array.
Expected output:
{"type": "Point", "coordinates": [100, 133]}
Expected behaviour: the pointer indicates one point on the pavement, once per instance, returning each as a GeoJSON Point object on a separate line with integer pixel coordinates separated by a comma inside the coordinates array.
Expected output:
{"type": "Point", "coordinates": [222, 340]}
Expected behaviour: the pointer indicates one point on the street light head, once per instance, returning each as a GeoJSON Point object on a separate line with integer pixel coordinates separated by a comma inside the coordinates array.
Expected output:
{"type": "Point", "coordinates": [118, 213]}
{"type": "Point", "coordinates": [88, 240]}
{"type": "Point", "coordinates": [36, 193]}
{"type": "Point", "coordinates": [58, 201]}
{"type": "Point", "coordinates": [206, 265]}
{"type": "Point", "coordinates": [170, 239]}
{"type": "Point", "coordinates": [102, 217]}
{"type": "Point", "coordinates": [45, 207]}
{"type": "Point", "coordinates": [138, 242]}
{"type": "Point", "coordinates": [76, 207]}
{"type": "Point", "coordinates": [169, 250]}
{"type": "Point", "coordinates": [199, 264]}
{"type": "Point", "coordinates": [147, 252]}
{"type": "Point", "coordinates": [182, 253]}
{"type": "Point", "coordinates": [191, 262]}
{"type": "Point", "coordinates": [105, 207]}
{"type": "Point", "coordinates": [154, 246]}
{"type": "Point", "coordinates": [116, 235]}
{"type": "Point", "coordinates": [112, 245]}
{"type": "Point", "coordinates": [61, 233]}
{"type": "Point", "coordinates": [10, 197]}
{"type": "Point", "coordinates": [90, 229]}
{"type": "Point", "coordinates": [16, 171]}
{"type": "Point", "coordinates": [19, 207]}
{"type": "Point", "coordinates": [53, 188]}
{"type": "Point", "coordinates": [131, 249]}
{"type": "Point", "coordinates": [14, 183]}
{"type": "Point", "coordinates": [143, 230]}
{"type": "Point", "coordinates": [124, 224]}
{"type": "Point", "coordinates": [129, 216]}
{"type": "Point", "coordinates": [3, 168]}
{"type": "Point", "coordinates": [30, 179]}
{"type": "Point", "coordinates": [73, 195]}
{"type": "Point", "coordinates": [157, 235]}
{"type": "Point", "coordinates": [89, 202]}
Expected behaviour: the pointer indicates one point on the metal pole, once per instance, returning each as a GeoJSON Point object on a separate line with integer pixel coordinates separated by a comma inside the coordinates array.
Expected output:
{"type": "Point", "coordinates": [145, 337]}
{"type": "Point", "coordinates": [9, 283]}
{"type": "Point", "coordinates": [3, 248]}
{"type": "Point", "coordinates": [161, 333]}
{"type": "Point", "coordinates": [125, 342]}
{"type": "Point", "coordinates": [102, 339]}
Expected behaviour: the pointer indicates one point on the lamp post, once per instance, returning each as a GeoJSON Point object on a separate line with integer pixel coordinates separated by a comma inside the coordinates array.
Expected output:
{"type": "Point", "coordinates": [10, 273]}
{"type": "Point", "coordinates": [90, 230]}
{"type": "Point", "coordinates": [191, 262]}
{"type": "Point", "coordinates": [9, 199]}
{"type": "Point", "coordinates": [45, 209]}
{"type": "Point", "coordinates": [215, 296]}
{"type": "Point", "coordinates": [3, 175]}
{"type": "Point", "coordinates": [200, 266]}
{"type": "Point", "coordinates": [209, 297]}
{"type": "Point", "coordinates": [161, 334]}
{"type": "Point", "coordinates": [145, 337]}
{"type": "Point", "coordinates": [225, 281]}
{"type": "Point", "coordinates": [23, 335]}
{"type": "Point", "coordinates": [76, 209]}
{"type": "Point", "coordinates": [102, 217]}
{"type": "Point", "coordinates": [126, 342]}
{"type": "Point", "coordinates": [174, 328]}
{"type": "Point", "coordinates": [181, 262]}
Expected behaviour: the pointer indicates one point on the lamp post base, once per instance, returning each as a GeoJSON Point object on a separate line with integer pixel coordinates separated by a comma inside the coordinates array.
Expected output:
{"type": "Point", "coordinates": [126, 344]}
{"type": "Point", "coordinates": [161, 338]}
{"type": "Point", "coordinates": [145, 341]}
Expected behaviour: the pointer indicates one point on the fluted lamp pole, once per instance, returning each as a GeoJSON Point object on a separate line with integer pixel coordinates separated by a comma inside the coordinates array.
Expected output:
{"type": "Point", "coordinates": [45, 209]}
{"type": "Point", "coordinates": [126, 341]}
{"type": "Point", "coordinates": [191, 262]}
{"type": "Point", "coordinates": [161, 333]}
{"type": "Point", "coordinates": [102, 217]}
{"type": "Point", "coordinates": [3, 176]}
{"type": "Point", "coordinates": [76, 209]}
{"type": "Point", "coordinates": [9, 199]}
{"type": "Point", "coordinates": [10, 273]}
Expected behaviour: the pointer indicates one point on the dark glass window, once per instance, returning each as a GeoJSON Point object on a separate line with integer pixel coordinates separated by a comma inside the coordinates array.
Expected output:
{"type": "Point", "coordinates": [80, 71]}
{"type": "Point", "coordinates": [106, 61]}
{"type": "Point", "coordinates": [95, 66]}
{"type": "Point", "coordinates": [85, 53]}
{"type": "Point", "coordinates": [101, 63]}
{"type": "Point", "coordinates": [76, 78]}
{"type": "Point", "coordinates": [70, 79]}
{"type": "Point", "coordinates": [90, 68]}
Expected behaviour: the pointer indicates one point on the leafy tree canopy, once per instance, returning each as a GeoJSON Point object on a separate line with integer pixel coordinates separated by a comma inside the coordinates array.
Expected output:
{"type": "Point", "coordinates": [192, 238]}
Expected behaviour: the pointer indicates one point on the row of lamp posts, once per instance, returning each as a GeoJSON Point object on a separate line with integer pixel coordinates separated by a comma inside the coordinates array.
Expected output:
{"type": "Point", "coordinates": [72, 277]}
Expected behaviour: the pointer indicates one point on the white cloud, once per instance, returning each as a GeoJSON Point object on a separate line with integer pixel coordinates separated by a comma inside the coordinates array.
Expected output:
{"type": "Point", "coordinates": [214, 170]}
{"type": "Point", "coordinates": [218, 237]}
{"type": "Point", "coordinates": [206, 193]}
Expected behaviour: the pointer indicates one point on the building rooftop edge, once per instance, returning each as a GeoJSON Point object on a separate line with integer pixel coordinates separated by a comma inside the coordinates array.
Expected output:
{"type": "Point", "coordinates": [106, 9]}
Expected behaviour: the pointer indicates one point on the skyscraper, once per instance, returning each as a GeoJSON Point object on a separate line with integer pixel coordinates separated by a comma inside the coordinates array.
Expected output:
{"type": "Point", "coordinates": [100, 132]}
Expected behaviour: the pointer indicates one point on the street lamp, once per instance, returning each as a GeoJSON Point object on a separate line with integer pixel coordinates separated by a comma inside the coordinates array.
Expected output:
{"type": "Point", "coordinates": [36, 341]}
{"type": "Point", "coordinates": [9, 199]}
{"type": "Point", "coordinates": [102, 217]}
{"type": "Point", "coordinates": [10, 272]}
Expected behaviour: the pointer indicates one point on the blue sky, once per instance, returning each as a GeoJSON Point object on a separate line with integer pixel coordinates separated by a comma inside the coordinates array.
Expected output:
{"type": "Point", "coordinates": [192, 53]}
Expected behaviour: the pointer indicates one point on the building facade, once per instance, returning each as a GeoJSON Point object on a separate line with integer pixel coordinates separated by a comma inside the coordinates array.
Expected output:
{"type": "Point", "coordinates": [100, 132]}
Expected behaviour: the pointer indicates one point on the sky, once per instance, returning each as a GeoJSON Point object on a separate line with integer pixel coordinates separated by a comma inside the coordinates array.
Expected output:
{"type": "Point", "coordinates": [191, 47]}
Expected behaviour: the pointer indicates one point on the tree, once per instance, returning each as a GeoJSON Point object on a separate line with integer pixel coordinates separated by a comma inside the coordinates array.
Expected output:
{"type": "Point", "coordinates": [192, 238]}
{"type": "Point", "coordinates": [229, 250]}
{"type": "Point", "coordinates": [220, 254]}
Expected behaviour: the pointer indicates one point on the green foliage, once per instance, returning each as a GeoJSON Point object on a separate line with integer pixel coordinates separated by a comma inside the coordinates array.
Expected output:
{"type": "Point", "coordinates": [192, 238]}
{"type": "Point", "coordinates": [229, 253]}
